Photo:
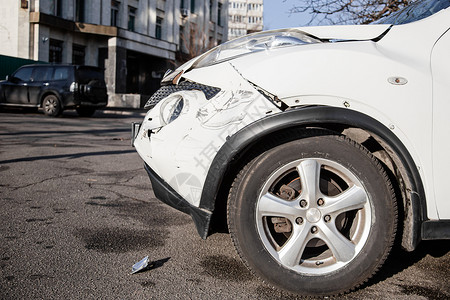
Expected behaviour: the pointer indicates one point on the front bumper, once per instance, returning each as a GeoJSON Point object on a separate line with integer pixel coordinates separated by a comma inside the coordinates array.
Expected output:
{"type": "Point", "coordinates": [168, 195]}
{"type": "Point", "coordinates": [179, 152]}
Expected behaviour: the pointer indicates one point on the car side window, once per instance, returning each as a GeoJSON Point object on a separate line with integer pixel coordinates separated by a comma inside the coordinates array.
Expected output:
{"type": "Point", "coordinates": [24, 74]}
{"type": "Point", "coordinates": [61, 73]}
{"type": "Point", "coordinates": [41, 74]}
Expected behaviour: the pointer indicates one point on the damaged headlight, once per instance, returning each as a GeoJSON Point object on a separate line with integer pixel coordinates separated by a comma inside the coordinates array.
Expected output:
{"type": "Point", "coordinates": [253, 43]}
{"type": "Point", "coordinates": [171, 109]}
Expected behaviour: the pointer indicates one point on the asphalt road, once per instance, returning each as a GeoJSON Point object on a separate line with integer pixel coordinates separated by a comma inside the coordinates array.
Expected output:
{"type": "Point", "coordinates": [77, 211]}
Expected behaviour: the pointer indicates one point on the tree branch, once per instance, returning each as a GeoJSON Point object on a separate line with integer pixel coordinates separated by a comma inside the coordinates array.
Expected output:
{"type": "Point", "coordinates": [347, 11]}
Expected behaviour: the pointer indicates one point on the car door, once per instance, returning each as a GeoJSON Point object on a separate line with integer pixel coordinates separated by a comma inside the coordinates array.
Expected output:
{"type": "Point", "coordinates": [39, 82]}
{"type": "Point", "coordinates": [440, 66]}
{"type": "Point", "coordinates": [16, 88]}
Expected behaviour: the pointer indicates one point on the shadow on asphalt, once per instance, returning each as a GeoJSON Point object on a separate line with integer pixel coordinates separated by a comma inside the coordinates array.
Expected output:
{"type": "Point", "coordinates": [156, 264]}
{"type": "Point", "coordinates": [66, 132]}
{"type": "Point", "coordinates": [118, 113]}
{"type": "Point", "coordinates": [399, 259]}
{"type": "Point", "coordinates": [69, 156]}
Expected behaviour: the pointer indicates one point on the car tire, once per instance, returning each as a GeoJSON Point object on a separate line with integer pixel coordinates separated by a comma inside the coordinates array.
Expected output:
{"type": "Point", "coordinates": [51, 106]}
{"type": "Point", "coordinates": [85, 111]}
{"type": "Point", "coordinates": [315, 216]}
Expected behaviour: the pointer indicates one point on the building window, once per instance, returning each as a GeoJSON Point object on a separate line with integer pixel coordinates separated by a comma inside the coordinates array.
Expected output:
{"type": "Point", "coordinates": [55, 51]}
{"type": "Point", "coordinates": [131, 18]}
{"type": "Point", "coordinates": [219, 14]}
{"type": "Point", "coordinates": [78, 54]}
{"type": "Point", "coordinates": [211, 10]}
{"type": "Point", "coordinates": [79, 11]}
{"type": "Point", "coordinates": [211, 42]}
{"type": "Point", "coordinates": [59, 8]}
{"type": "Point", "coordinates": [181, 40]}
{"type": "Point", "coordinates": [192, 6]}
{"type": "Point", "coordinates": [56, 7]}
{"type": "Point", "coordinates": [158, 28]}
{"type": "Point", "coordinates": [115, 13]}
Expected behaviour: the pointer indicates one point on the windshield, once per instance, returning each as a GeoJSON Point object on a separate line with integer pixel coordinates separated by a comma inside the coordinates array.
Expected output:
{"type": "Point", "coordinates": [415, 11]}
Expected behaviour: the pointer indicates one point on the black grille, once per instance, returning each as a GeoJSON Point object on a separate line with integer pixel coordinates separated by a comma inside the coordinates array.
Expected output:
{"type": "Point", "coordinates": [167, 90]}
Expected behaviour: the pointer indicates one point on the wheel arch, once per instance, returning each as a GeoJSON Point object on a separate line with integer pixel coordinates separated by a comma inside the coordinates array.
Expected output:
{"type": "Point", "coordinates": [393, 154]}
{"type": "Point", "coordinates": [47, 93]}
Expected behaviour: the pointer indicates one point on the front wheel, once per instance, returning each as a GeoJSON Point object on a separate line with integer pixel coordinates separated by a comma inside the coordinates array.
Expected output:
{"type": "Point", "coordinates": [52, 106]}
{"type": "Point", "coordinates": [315, 216]}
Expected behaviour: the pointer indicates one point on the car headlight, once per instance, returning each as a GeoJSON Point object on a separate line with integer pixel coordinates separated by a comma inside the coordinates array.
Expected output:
{"type": "Point", "coordinates": [254, 43]}
{"type": "Point", "coordinates": [171, 108]}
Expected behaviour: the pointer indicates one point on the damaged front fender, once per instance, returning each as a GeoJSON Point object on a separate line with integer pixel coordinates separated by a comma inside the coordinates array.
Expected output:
{"type": "Point", "coordinates": [192, 139]}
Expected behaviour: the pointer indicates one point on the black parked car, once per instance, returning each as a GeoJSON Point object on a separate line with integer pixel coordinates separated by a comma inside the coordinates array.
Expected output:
{"type": "Point", "coordinates": [55, 88]}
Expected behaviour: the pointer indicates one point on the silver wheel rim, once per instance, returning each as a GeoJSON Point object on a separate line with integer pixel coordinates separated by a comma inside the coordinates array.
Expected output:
{"type": "Point", "coordinates": [329, 216]}
{"type": "Point", "coordinates": [51, 105]}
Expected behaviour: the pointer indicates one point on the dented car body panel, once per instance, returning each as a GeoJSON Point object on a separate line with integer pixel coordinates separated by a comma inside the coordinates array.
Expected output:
{"type": "Point", "coordinates": [182, 153]}
{"type": "Point", "coordinates": [380, 73]}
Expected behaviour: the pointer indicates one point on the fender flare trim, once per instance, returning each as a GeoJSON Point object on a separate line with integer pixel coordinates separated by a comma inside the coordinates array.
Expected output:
{"type": "Point", "coordinates": [316, 116]}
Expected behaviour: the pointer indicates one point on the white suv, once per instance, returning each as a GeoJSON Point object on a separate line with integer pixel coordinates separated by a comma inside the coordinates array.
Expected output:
{"type": "Point", "coordinates": [319, 145]}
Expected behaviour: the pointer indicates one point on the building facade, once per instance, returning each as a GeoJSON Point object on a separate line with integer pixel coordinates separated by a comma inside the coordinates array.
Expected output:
{"type": "Point", "coordinates": [135, 41]}
{"type": "Point", "coordinates": [244, 17]}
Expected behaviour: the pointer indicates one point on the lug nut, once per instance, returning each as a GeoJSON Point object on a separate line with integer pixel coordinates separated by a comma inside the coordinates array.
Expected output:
{"type": "Point", "coordinates": [314, 229]}
{"type": "Point", "coordinates": [327, 218]}
{"type": "Point", "coordinates": [299, 220]}
{"type": "Point", "coordinates": [320, 202]}
{"type": "Point", "coordinates": [303, 203]}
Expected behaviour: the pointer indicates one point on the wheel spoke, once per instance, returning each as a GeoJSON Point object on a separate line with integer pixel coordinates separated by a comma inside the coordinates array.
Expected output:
{"type": "Point", "coordinates": [271, 205]}
{"type": "Point", "coordinates": [292, 251]}
{"type": "Point", "coordinates": [351, 199]}
{"type": "Point", "coordinates": [343, 250]}
{"type": "Point", "coordinates": [309, 171]}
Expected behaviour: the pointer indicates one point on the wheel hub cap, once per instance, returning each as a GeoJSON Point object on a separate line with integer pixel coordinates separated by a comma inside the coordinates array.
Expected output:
{"type": "Point", "coordinates": [313, 215]}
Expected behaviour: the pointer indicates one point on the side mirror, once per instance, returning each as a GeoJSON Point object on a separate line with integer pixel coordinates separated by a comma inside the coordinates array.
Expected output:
{"type": "Point", "coordinates": [7, 77]}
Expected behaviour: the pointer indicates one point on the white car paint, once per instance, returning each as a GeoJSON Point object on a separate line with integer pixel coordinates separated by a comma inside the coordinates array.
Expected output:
{"type": "Point", "coordinates": [440, 66]}
{"type": "Point", "coordinates": [356, 74]}
{"type": "Point", "coordinates": [181, 152]}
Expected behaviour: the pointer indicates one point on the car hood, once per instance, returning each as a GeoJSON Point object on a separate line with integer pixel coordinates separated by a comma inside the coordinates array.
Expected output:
{"type": "Point", "coordinates": [335, 33]}
{"type": "Point", "coordinates": [346, 32]}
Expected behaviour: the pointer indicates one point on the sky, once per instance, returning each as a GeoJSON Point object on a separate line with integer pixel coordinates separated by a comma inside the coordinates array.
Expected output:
{"type": "Point", "coordinates": [276, 15]}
